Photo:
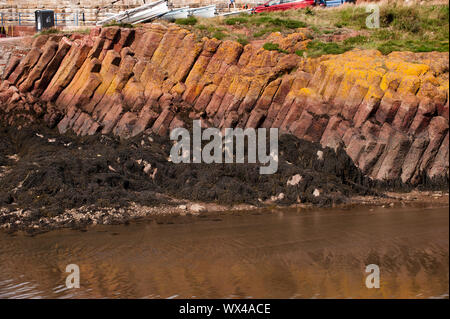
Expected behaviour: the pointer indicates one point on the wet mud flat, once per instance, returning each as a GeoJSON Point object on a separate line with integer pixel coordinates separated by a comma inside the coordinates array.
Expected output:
{"type": "Point", "coordinates": [49, 180]}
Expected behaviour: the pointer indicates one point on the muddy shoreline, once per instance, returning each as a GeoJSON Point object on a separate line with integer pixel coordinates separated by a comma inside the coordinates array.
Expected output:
{"type": "Point", "coordinates": [51, 180]}
{"type": "Point", "coordinates": [22, 220]}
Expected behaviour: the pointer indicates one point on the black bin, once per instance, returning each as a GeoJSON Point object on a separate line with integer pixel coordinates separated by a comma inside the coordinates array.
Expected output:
{"type": "Point", "coordinates": [45, 19]}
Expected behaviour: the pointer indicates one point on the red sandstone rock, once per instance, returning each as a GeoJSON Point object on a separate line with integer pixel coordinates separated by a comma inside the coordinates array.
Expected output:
{"type": "Point", "coordinates": [368, 106]}
{"type": "Point", "coordinates": [193, 82]}
{"type": "Point", "coordinates": [69, 119]}
{"type": "Point", "coordinates": [108, 71]}
{"type": "Point", "coordinates": [68, 69]}
{"type": "Point", "coordinates": [149, 41]}
{"type": "Point", "coordinates": [262, 106]}
{"type": "Point", "coordinates": [161, 125]}
{"type": "Point", "coordinates": [440, 164]}
{"type": "Point", "coordinates": [354, 100]}
{"type": "Point", "coordinates": [372, 152]}
{"type": "Point", "coordinates": [423, 116]}
{"type": "Point", "coordinates": [329, 136]}
{"type": "Point", "coordinates": [294, 103]}
{"type": "Point", "coordinates": [437, 130]}
{"type": "Point", "coordinates": [300, 127]}
{"type": "Point", "coordinates": [222, 89]}
{"type": "Point", "coordinates": [12, 64]}
{"type": "Point", "coordinates": [406, 113]}
{"type": "Point", "coordinates": [315, 131]}
{"type": "Point", "coordinates": [396, 152]}
{"type": "Point", "coordinates": [48, 52]}
{"type": "Point", "coordinates": [445, 111]}
{"type": "Point", "coordinates": [146, 119]}
{"type": "Point", "coordinates": [370, 130]}
{"type": "Point", "coordinates": [125, 125]}
{"type": "Point", "coordinates": [378, 153]}
{"type": "Point", "coordinates": [205, 97]}
{"type": "Point", "coordinates": [8, 93]}
{"type": "Point", "coordinates": [388, 108]}
{"type": "Point", "coordinates": [126, 37]}
{"type": "Point", "coordinates": [118, 81]}
{"type": "Point", "coordinates": [356, 147]}
{"type": "Point", "coordinates": [414, 155]}
{"type": "Point", "coordinates": [186, 54]}
{"type": "Point", "coordinates": [176, 123]}
{"type": "Point", "coordinates": [25, 65]}
{"type": "Point", "coordinates": [111, 117]}
{"type": "Point", "coordinates": [52, 67]}
{"type": "Point", "coordinates": [278, 101]}
{"type": "Point", "coordinates": [40, 41]}
{"type": "Point", "coordinates": [83, 85]}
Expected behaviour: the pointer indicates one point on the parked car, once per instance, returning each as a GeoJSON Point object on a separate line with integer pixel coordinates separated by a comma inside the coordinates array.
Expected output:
{"type": "Point", "coordinates": [281, 5]}
{"type": "Point", "coordinates": [335, 3]}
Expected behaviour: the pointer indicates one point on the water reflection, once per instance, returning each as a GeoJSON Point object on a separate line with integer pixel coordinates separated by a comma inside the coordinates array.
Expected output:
{"type": "Point", "coordinates": [317, 254]}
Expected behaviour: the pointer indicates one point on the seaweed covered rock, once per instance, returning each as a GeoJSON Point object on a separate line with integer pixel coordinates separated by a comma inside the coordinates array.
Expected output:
{"type": "Point", "coordinates": [44, 170]}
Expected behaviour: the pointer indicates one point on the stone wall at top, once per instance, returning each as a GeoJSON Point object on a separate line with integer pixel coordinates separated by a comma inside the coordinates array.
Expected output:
{"type": "Point", "coordinates": [95, 10]}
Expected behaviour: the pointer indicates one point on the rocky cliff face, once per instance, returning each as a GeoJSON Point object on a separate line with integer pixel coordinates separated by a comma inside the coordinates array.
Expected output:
{"type": "Point", "coordinates": [389, 113]}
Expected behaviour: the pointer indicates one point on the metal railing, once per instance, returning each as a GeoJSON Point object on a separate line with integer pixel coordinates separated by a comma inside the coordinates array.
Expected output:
{"type": "Point", "coordinates": [28, 18]}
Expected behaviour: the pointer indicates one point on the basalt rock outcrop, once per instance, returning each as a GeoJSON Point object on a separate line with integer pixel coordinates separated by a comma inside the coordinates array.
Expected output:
{"type": "Point", "coordinates": [389, 113]}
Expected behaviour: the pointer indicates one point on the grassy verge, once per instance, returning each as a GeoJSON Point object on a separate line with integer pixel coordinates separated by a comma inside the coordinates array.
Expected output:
{"type": "Point", "coordinates": [48, 31]}
{"type": "Point", "coordinates": [57, 31]}
{"type": "Point", "coordinates": [114, 23]}
{"type": "Point", "coordinates": [273, 47]}
{"type": "Point", "coordinates": [417, 28]}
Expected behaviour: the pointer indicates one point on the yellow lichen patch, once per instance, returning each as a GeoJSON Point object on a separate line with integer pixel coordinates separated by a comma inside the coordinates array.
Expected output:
{"type": "Point", "coordinates": [357, 60]}
{"type": "Point", "coordinates": [389, 93]}
{"type": "Point", "coordinates": [304, 31]}
{"type": "Point", "coordinates": [430, 78]}
{"type": "Point", "coordinates": [392, 63]}
{"type": "Point", "coordinates": [292, 41]}
{"type": "Point", "coordinates": [443, 93]}
{"type": "Point", "coordinates": [350, 78]}
{"type": "Point", "coordinates": [389, 79]}
{"type": "Point", "coordinates": [310, 65]}
{"type": "Point", "coordinates": [403, 71]}
{"type": "Point", "coordinates": [409, 84]}
{"type": "Point", "coordinates": [275, 37]}
{"type": "Point", "coordinates": [443, 83]}
{"type": "Point", "coordinates": [374, 92]}
{"type": "Point", "coordinates": [374, 77]}
{"type": "Point", "coordinates": [179, 88]}
{"type": "Point", "coordinates": [229, 51]}
{"type": "Point", "coordinates": [305, 92]}
{"type": "Point", "coordinates": [412, 68]}
{"type": "Point", "coordinates": [302, 45]}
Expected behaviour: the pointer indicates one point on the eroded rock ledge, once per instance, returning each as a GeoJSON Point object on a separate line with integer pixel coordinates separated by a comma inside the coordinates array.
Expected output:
{"type": "Point", "coordinates": [389, 113]}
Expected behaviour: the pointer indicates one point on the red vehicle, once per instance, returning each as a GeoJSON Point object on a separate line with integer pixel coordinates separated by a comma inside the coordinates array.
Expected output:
{"type": "Point", "coordinates": [281, 5]}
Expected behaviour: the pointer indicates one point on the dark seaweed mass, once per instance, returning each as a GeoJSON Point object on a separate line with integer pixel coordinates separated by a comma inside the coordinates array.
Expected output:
{"type": "Point", "coordinates": [54, 172]}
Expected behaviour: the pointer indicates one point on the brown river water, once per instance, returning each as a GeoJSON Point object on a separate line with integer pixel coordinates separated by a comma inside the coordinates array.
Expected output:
{"type": "Point", "coordinates": [272, 254]}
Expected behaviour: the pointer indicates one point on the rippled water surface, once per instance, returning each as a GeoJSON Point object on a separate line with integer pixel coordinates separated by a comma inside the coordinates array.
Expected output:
{"type": "Point", "coordinates": [278, 254]}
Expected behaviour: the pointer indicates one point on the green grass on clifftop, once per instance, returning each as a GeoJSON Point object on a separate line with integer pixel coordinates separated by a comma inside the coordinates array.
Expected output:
{"type": "Point", "coordinates": [417, 28]}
